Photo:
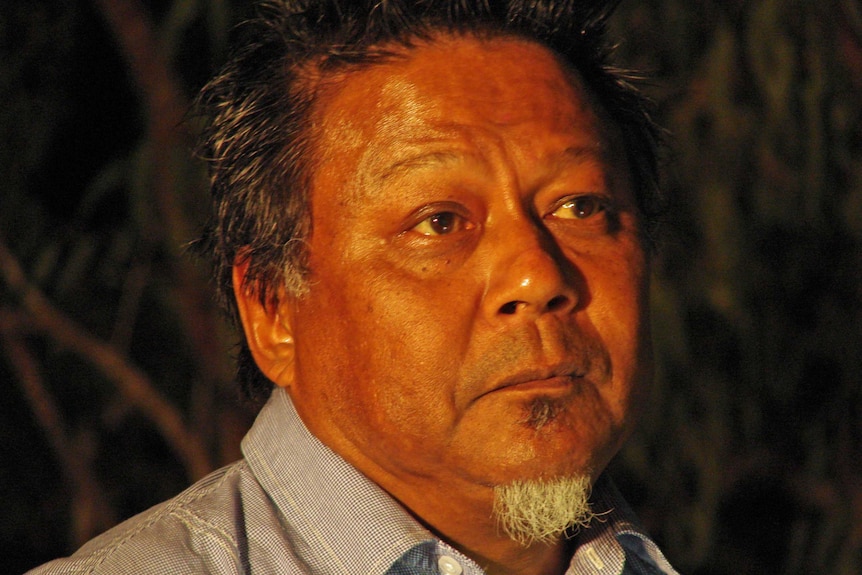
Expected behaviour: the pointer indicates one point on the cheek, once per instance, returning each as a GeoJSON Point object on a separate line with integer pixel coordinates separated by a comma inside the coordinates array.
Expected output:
{"type": "Point", "coordinates": [384, 347]}
{"type": "Point", "coordinates": [619, 312]}
{"type": "Point", "coordinates": [419, 335]}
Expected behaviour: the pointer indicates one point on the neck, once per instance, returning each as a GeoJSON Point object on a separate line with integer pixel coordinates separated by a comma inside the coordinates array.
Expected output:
{"type": "Point", "coordinates": [538, 559]}
{"type": "Point", "coordinates": [461, 512]}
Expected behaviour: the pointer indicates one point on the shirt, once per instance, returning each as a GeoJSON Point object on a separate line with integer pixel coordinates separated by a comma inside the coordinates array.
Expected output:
{"type": "Point", "coordinates": [293, 506]}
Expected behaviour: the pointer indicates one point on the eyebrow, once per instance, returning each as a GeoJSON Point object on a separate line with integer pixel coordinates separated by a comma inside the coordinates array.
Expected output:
{"type": "Point", "coordinates": [422, 159]}
{"type": "Point", "coordinates": [576, 156]}
{"type": "Point", "coordinates": [579, 153]}
{"type": "Point", "coordinates": [419, 160]}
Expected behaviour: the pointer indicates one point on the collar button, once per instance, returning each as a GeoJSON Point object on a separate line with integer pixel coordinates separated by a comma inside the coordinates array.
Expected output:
{"type": "Point", "coordinates": [448, 566]}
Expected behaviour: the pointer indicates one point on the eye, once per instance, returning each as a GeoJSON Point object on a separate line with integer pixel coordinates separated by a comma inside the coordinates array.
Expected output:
{"type": "Point", "coordinates": [580, 207]}
{"type": "Point", "coordinates": [441, 223]}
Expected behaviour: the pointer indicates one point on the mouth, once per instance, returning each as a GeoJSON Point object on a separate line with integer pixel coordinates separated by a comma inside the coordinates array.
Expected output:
{"type": "Point", "coordinates": [553, 380]}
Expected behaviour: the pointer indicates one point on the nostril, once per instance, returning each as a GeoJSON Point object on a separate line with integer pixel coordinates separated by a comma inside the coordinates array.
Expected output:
{"type": "Point", "coordinates": [557, 303]}
{"type": "Point", "coordinates": [509, 308]}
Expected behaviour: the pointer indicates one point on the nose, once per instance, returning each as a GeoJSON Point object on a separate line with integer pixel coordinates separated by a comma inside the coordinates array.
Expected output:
{"type": "Point", "coordinates": [530, 276]}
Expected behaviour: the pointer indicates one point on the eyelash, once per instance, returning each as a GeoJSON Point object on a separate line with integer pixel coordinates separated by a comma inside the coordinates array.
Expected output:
{"type": "Point", "coordinates": [425, 215]}
{"type": "Point", "coordinates": [601, 204]}
{"type": "Point", "coordinates": [443, 221]}
{"type": "Point", "coordinates": [460, 220]}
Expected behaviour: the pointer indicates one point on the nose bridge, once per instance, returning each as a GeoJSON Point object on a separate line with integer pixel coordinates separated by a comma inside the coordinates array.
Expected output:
{"type": "Point", "coordinates": [529, 275]}
{"type": "Point", "coordinates": [527, 237]}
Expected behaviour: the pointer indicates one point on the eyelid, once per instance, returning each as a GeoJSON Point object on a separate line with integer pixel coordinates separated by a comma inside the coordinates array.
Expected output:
{"type": "Point", "coordinates": [604, 200]}
{"type": "Point", "coordinates": [427, 211]}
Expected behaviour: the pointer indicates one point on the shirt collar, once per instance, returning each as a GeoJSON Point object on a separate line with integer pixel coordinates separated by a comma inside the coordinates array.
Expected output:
{"type": "Point", "coordinates": [337, 519]}
{"type": "Point", "coordinates": [614, 541]}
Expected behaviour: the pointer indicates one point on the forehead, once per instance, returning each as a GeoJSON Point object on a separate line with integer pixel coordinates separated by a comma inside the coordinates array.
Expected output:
{"type": "Point", "coordinates": [458, 66]}
{"type": "Point", "coordinates": [453, 89]}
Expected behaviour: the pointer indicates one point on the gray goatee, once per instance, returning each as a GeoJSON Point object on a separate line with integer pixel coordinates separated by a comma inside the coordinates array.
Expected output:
{"type": "Point", "coordinates": [540, 511]}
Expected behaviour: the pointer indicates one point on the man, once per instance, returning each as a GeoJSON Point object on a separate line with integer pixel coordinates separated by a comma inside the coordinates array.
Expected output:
{"type": "Point", "coordinates": [432, 220]}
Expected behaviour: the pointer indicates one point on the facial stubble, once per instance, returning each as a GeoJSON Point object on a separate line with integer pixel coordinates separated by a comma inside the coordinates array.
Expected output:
{"type": "Point", "coordinates": [541, 411]}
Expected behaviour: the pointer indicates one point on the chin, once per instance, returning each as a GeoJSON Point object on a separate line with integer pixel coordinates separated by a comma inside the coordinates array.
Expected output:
{"type": "Point", "coordinates": [542, 511]}
{"type": "Point", "coordinates": [540, 462]}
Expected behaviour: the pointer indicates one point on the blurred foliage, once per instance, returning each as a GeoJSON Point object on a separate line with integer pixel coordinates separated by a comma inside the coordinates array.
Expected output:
{"type": "Point", "coordinates": [749, 460]}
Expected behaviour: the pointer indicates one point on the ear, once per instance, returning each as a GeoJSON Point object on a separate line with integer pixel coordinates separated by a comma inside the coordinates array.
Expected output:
{"type": "Point", "coordinates": [267, 328]}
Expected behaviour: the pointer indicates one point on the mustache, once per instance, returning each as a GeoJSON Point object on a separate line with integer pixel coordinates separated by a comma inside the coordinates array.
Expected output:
{"type": "Point", "coordinates": [538, 351]}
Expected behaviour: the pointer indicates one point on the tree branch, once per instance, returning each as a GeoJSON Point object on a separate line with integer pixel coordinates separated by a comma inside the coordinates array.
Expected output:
{"type": "Point", "coordinates": [130, 381]}
{"type": "Point", "coordinates": [166, 106]}
{"type": "Point", "coordinates": [91, 514]}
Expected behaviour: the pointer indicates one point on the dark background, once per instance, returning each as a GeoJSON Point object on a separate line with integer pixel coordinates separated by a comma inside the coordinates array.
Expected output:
{"type": "Point", "coordinates": [116, 368]}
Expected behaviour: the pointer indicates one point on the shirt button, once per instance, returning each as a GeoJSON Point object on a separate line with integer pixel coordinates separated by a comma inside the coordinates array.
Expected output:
{"type": "Point", "coordinates": [448, 566]}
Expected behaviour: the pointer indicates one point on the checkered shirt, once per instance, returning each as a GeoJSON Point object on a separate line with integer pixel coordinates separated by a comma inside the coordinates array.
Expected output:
{"type": "Point", "coordinates": [292, 506]}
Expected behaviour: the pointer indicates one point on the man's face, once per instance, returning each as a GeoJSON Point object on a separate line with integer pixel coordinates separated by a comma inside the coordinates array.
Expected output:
{"type": "Point", "coordinates": [476, 305]}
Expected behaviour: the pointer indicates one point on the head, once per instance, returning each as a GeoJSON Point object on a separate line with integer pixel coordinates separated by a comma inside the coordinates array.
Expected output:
{"type": "Point", "coordinates": [435, 223]}
{"type": "Point", "coordinates": [259, 112]}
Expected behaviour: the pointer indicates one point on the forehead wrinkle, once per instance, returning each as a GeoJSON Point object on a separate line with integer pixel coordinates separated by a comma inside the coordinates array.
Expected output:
{"type": "Point", "coordinates": [392, 159]}
{"type": "Point", "coordinates": [401, 139]}
{"type": "Point", "coordinates": [404, 112]}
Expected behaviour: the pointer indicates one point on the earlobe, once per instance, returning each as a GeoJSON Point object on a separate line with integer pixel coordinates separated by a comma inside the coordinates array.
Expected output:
{"type": "Point", "coordinates": [267, 328]}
